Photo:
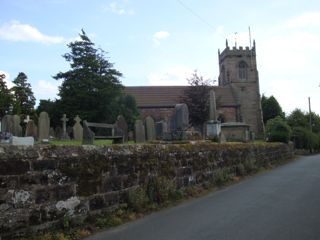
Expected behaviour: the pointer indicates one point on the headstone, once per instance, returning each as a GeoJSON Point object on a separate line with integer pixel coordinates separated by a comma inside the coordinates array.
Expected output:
{"type": "Point", "coordinates": [161, 128]}
{"type": "Point", "coordinates": [52, 133]}
{"type": "Point", "coordinates": [7, 124]}
{"type": "Point", "coordinates": [150, 129]}
{"type": "Point", "coordinates": [139, 132]}
{"type": "Point", "coordinates": [44, 126]}
{"type": "Point", "coordinates": [64, 120]}
{"type": "Point", "coordinates": [31, 129]}
{"type": "Point", "coordinates": [17, 129]}
{"type": "Point", "coordinates": [88, 135]}
{"type": "Point", "coordinates": [77, 129]}
{"type": "Point", "coordinates": [58, 132]}
{"type": "Point", "coordinates": [22, 141]}
{"type": "Point", "coordinates": [122, 124]}
{"type": "Point", "coordinates": [181, 117]}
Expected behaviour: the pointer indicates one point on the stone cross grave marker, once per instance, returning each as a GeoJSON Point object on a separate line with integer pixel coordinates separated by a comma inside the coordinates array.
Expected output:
{"type": "Point", "coordinates": [213, 126]}
{"type": "Point", "coordinates": [44, 126]}
{"type": "Point", "coordinates": [27, 119]}
{"type": "Point", "coordinates": [77, 129]}
{"type": "Point", "coordinates": [150, 129]}
{"type": "Point", "coordinates": [64, 120]}
{"type": "Point", "coordinates": [212, 106]}
{"type": "Point", "coordinates": [139, 132]}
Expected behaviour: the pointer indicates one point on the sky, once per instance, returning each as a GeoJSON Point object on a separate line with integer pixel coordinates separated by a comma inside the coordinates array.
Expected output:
{"type": "Point", "coordinates": [155, 42]}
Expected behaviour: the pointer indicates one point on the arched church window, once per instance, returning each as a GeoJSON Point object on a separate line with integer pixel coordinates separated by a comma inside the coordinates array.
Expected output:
{"type": "Point", "coordinates": [243, 73]}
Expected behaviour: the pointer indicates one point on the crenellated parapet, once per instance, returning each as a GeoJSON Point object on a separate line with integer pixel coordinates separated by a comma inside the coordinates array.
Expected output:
{"type": "Point", "coordinates": [237, 52]}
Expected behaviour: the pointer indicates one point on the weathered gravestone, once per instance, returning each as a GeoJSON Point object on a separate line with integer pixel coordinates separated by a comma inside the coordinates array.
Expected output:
{"type": "Point", "coordinates": [44, 126]}
{"type": "Point", "coordinates": [31, 129]}
{"type": "Point", "coordinates": [77, 129]}
{"type": "Point", "coordinates": [123, 126]}
{"type": "Point", "coordinates": [52, 133]}
{"type": "Point", "coordinates": [181, 117]}
{"type": "Point", "coordinates": [88, 135]}
{"type": "Point", "coordinates": [150, 129]}
{"type": "Point", "coordinates": [64, 120]}
{"type": "Point", "coordinates": [17, 129]}
{"type": "Point", "coordinates": [161, 128]}
{"type": "Point", "coordinates": [139, 132]}
{"type": "Point", "coordinates": [58, 132]}
{"type": "Point", "coordinates": [7, 124]}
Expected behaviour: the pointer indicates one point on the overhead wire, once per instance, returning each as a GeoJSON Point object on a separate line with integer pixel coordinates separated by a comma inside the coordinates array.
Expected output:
{"type": "Point", "coordinates": [195, 14]}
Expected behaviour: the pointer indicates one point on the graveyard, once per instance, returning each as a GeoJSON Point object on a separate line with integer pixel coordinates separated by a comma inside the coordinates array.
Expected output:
{"type": "Point", "coordinates": [78, 175]}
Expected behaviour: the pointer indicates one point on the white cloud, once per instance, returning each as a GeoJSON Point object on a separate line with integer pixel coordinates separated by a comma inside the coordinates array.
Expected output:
{"type": "Point", "coordinates": [288, 63]}
{"type": "Point", "coordinates": [176, 76]}
{"type": "Point", "coordinates": [159, 36]}
{"type": "Point", "coordinates": [46, 89]}
{"type": "Point", "coordinates": [306, 19]}
{"type": "Point", "coordinates": [19, 32]}
{"type": "Point", "coordinates": [7, 79]}
{"type": "Point", "coordinates": [120, 8]}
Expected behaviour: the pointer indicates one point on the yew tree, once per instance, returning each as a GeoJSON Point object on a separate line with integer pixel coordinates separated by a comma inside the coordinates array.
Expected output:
{"type": "Point", "coordinates": [91, 87]}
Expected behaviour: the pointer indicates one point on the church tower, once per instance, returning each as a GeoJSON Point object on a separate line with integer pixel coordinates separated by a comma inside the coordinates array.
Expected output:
{"type": "Point", "coordinates": [238, 72]}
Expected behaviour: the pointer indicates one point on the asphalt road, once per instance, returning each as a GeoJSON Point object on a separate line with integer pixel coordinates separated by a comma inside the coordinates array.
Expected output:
{"type": "Point", "coordinates": [281, 204]}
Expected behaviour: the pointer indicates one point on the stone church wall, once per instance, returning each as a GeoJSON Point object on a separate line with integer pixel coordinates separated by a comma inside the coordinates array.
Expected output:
{"type": "Point", "coordinates": [41, 185]}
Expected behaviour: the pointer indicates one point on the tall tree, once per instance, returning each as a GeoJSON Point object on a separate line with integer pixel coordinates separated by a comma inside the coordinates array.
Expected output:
{"type": "Point", "coordinates": [92, 86]}
{"type": "Point", "coordinates": [297, 118]}
{"type": "Point", "coordinates": [5, 96]}
{"type": "Point", "coordinates": [23, 97]}
{"type": "Point", "coordinates": [197, 99]}
{"type": "Point", "coordinates": [270, 108]}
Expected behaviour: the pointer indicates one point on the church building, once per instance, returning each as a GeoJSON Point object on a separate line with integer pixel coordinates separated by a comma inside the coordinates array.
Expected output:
{"type": "Point", "coordinates": [237, 94]}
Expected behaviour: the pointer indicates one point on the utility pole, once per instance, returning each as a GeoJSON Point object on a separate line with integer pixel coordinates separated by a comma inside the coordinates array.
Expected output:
{"type": "Point", "coordinates": [310, 119]}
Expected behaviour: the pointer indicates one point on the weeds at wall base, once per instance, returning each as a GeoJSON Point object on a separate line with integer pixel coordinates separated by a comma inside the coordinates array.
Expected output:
{"type": "Point", "coordinates": [141, 204]}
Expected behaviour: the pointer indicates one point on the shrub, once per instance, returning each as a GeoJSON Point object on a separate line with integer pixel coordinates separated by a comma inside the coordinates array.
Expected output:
{"type": "Point", "coordinates": [303, 138]}
{"type": "Point", "coordinates": [277, 130]}
{"type": "Point", "coordinates": [138, 199]}
{"type": "Point", "coordinates": [160, 190]}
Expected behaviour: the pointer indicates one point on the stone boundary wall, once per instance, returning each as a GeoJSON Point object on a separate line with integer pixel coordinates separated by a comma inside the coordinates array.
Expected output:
{"type": "Point", "coordinates": [39, 185]}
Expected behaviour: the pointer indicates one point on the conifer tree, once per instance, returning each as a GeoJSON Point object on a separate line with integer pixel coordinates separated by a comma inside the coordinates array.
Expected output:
{"type": "Point", "coordinates": [91, 87]}
{"type": "Point", "coordinates": [23, 98]}
{"type": "Point", "coordinates": [5, 96]}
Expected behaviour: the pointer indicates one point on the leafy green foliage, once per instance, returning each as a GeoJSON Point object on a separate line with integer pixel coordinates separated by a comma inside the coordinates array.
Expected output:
{"type": "Point", "coordinates": [91, 87]}
{"type": "Point", "coordinates": [297, 118]}
{"type": "Point", "coordinates": [277, 130]}
{"type": "Point", "coordinates": [270, 108]}
{"type": "Point", "coordinates": [303, 138]}
{"type": "Point", "coordinates": [54, 109]}
{"type": "Point", "coordinates": [23, 97]}
{"type": "Point", "coordinates": [5, 97]}
{"type": "Point", "coordinates": [197, 99]}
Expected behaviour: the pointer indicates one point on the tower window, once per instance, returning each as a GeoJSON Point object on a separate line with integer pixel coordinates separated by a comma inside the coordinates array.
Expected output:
{"type": "Point", "coordinates": [243, 70]}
